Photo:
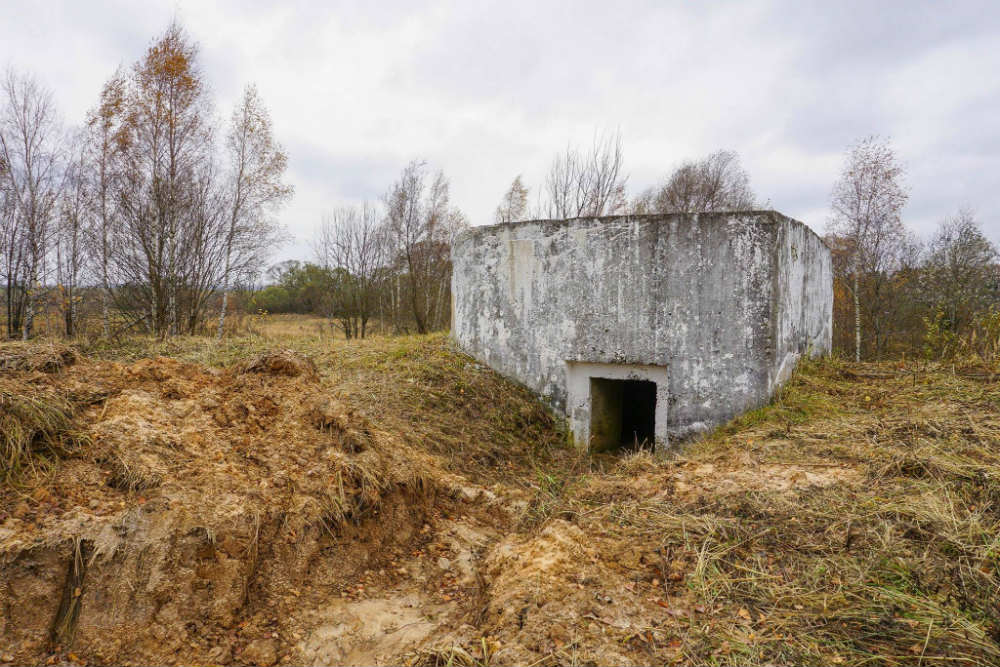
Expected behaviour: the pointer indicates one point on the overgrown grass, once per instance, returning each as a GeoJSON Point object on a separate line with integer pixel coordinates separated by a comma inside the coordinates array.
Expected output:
{"type": "Point", "coordinates": [419, 386]}
{"type": "Point", "coordinates": [899, 566]}
{"type": "Point", "coordinates": [897, 563]}
{"type": "Point", "coordinates": [33, 430]}
{"type": "Point", "coordinates": [445, 402]}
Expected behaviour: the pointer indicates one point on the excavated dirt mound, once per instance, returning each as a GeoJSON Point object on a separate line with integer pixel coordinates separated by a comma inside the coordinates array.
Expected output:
{"type": "Point", "coordinates": [406, 506]}
{"type": "Point", "coordinates": [203, 511]}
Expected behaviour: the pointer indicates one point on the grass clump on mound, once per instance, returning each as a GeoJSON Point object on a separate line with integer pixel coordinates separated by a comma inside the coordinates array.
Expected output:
{"type": "Point", "coordinates": [44, 357]}
{"type": "Point", "coordinates": [853, 520]}
{"type": "Point", "coordinates": [31, 429]}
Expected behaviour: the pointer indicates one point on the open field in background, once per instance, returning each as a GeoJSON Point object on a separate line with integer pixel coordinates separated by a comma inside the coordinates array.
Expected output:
{"type": "Point", "coordinates": [269, 326]}
{"type": "Point", "coordinates": [287, 496]}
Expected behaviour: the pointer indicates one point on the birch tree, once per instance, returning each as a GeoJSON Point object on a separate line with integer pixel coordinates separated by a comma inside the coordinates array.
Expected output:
{"type": "Point", "coordinates": [586, 184]}
{"type": "Point", "coordinates": [420, 226]}
{"type": "Point", "coordinates": [715, 183]}
{"type": "Point", "coordinates": [867, 203]}
{"type": "Point", "coordinates": [257, 166]}
{"type": "Point", "coordinates": [351, 247]}
{"type": "Point", "coordinates": [30, 136]}
{"type": "Point", "coordinates": [106, 140]}
{"type": "Point", "coordinates": [961, 278]}
{"type": "Point", "coordinates": [71, 235]}
{"type": "Point", "coordinates": [8, 230]}
{"type": "Point", "coordinates": [514, 205]}
{"type": "Point", "coordinates": [167, 141]}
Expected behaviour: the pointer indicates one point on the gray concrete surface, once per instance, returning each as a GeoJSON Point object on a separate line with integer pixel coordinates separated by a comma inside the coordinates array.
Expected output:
{"type": "Point", "coordinates": [716, 309]}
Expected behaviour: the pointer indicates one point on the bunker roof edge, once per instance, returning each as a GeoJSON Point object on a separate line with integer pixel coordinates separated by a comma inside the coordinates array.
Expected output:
{"type": "Point", "coordinates": [771, 215]}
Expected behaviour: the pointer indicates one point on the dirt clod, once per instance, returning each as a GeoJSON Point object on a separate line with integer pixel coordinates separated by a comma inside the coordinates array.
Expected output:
{"type": "Point", "coordinates": [282, 362]}
{"type": "Point", "coordinates": [261, 652]}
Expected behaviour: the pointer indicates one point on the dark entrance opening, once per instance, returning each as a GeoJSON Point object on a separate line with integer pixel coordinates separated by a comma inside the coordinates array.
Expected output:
{"type": "Point", "coordinates": [622, 414]}
{"type": "Point", "coordinates": [638, 413]}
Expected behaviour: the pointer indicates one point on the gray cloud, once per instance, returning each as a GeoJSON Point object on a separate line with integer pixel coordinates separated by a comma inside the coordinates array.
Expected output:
{"type": "Point", "coordinates": [486, 91]}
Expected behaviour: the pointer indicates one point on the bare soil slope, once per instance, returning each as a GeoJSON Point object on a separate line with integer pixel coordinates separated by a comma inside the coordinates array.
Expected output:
{"type": "Point", "coordinates": [392, 501]}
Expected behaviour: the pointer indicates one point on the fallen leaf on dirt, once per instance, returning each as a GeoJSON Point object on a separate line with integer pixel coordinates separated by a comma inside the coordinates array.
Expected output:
{"type": "Point", "coordinates": [670, 610]}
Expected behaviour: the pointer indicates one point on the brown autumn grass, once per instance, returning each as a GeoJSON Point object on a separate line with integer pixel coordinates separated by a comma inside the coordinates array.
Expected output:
{"type": "Point", "coordinates": [854, 520]}
{"type": "Point", "coordinates": [35, 426]}
{"type": "Point", "coordinates": [891, 558]}
{"type": "Point", "coordinates": [886, 551]}
{"type": "Point", "coordinates": [415, 385]}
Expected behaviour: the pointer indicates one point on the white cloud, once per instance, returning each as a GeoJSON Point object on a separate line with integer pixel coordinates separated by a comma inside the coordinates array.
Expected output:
{"type": "Point", "coordinates": [485, 91]}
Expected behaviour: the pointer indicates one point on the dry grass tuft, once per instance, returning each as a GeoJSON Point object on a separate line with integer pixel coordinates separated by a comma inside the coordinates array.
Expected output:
{"type": "Point", "coordinates": [640, 461]}
{"type": "Point", "coordinates": [33, 427]}
{"type": "Point", "coordinates": [136, 470]}
{"type": "Point", "coordinates": [452, 656]}
{"type": "Point", "coordinates": [44, 357]}
{"type": "Point", "coordinates": [281, 362]}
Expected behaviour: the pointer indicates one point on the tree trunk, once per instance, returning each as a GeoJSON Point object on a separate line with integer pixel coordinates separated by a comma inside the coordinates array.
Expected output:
{"type": "Point", "coordinates": [105, 297]}
{"type": "Point", "coordinates": [225, 291]}
{"type": "Point", "coordinates": [222, 312]}
{"type": "Point", "coordinates": [29, 315]}
{"type": "Point", "coordinates": [11, 324]}
{"type": "Point", "coordinates": [105, 315]}
{"type": "Point", "coordinates": [154, 307]}
{"type": "Point", "coordinates": [172, 330]}
{"type": "Point", "coordinates": [857, 320]}
{"type": "Point", "coordinates": [68, 313]}
{"type": "Point", "coordinates": [418, 316]}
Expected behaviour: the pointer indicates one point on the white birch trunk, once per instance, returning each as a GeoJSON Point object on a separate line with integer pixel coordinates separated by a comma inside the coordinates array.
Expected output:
{"type": "Point", "coordinates": [857, 320]}
{"type": "Point", "coordinates": [222, 311]}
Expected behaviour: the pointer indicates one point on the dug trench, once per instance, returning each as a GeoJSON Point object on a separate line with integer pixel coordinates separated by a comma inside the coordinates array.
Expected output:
{"type": "Point", "coordinates": [226, 516]}
{"type": "Point", "coordinates": [393, 502]}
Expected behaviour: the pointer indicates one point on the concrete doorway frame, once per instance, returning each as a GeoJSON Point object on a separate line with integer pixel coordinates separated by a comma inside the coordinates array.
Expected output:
{"type": "Point", "coordinates": [580, 398]}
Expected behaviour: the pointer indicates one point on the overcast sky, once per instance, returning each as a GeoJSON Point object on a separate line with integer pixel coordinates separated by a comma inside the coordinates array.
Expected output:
{"type": "Point", "coordinates": [486, 91]}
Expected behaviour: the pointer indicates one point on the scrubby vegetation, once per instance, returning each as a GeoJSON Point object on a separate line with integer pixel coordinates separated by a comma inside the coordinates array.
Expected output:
{"type": "Point", "coordinates": [398, 484]}
{"type": "Point", "coordinates": [35, 426]}
{"type": "Point", "coordinates": [852, 521]}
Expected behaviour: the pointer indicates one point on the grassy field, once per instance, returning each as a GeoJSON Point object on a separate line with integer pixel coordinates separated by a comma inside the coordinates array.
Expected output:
{"type": "Point", "coordinates": [854, 520]}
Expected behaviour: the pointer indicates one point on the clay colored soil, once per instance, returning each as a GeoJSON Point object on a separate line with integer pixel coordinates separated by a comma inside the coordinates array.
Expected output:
{"type": "Point", "coordinates": [392, 501]}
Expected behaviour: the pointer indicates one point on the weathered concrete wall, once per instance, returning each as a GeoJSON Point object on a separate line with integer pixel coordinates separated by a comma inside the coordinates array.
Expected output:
{"type": "Point", "coordinates": [803, 311]}
{"type": "Point", "coordinates": [717, 301]}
